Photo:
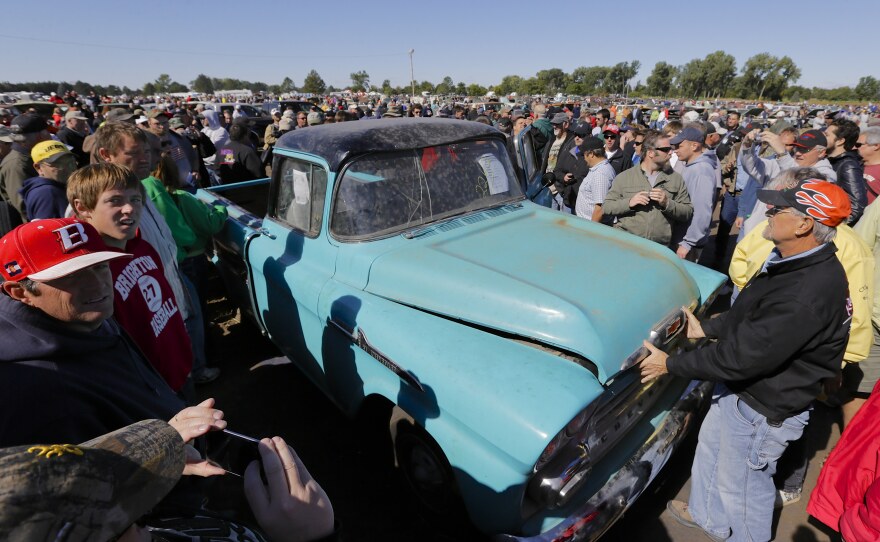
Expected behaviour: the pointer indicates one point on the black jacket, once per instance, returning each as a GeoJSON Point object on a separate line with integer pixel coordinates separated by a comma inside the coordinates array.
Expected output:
{"type": "Point", "coordinates": [569, 161]}
{"type": "Point", "coordinates": [786, 332]}
{"type": "Point", "coordinates": [620, 162]}
{"type": "Point", "coordinates": [238, 162]}
{"type": "Point", "coordinates": [850, 177]}
{"type": "Point", "coordinates": [60, 385]}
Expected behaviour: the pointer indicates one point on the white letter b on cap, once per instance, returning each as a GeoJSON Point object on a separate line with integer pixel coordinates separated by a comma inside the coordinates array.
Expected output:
{"type": "Point", "coordinates": [72, 236]}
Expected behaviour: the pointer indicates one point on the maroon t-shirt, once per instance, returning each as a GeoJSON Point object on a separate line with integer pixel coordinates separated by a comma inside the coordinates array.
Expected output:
{"type": "Point", "coordinates": [145, 307]}
{"type": "Point", "coordinates": [872, 178]}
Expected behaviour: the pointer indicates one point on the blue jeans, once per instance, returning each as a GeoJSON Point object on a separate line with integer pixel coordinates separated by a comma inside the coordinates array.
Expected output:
{"type": "Point", "coordinates": [557, 204]}
{"type": "Point", "coordinates": [732, 489]}
{"type": "Point", "coordinates": [195, 327]}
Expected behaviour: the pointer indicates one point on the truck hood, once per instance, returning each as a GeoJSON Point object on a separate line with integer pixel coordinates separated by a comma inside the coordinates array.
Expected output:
{"type": "Point", "coordinates": [559, 280]}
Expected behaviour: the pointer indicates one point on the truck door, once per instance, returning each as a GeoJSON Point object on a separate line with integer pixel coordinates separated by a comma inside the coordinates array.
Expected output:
{"type": "Point", "coordinates": [530, 163]}
{"type": "Point", "coordinates": [290, 261]}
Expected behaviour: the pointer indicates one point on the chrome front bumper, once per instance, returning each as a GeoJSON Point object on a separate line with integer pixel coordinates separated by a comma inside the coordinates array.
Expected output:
{"type": "Point", "coordinates": [599, 513]}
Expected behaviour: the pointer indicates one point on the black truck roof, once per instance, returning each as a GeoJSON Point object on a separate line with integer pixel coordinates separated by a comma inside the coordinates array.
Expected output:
{"type": "Point", "coordinates": [338, 141]}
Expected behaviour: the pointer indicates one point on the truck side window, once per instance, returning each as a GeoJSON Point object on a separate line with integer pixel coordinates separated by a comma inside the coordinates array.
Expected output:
{"type": "Point", "coordinates": [300, 196]}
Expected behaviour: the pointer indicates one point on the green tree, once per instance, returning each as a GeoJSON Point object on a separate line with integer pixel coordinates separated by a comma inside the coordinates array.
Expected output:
{"type": "Point", "coordinates": [720, 70]}
{"type": "Point", "coordinates": [589, 80]}
{"type": "Point", "coordinates": [460, 89]}
{"type": "Point", "coordinates": [796, 93]}
{"type": "Point", "coordinates": [867, 89]}
{"type": "Point", "coordinates": [765, 76]}
{"type": "Point", "coordinates": [162, 83]}
{"type": "Point", "coordinates": [691, 78]}
{"type": "Point", "coordinates": [619, 75]}
{"type": "Point", "coordinates": [149, 89]}
{"type": "Point", "coordinates": [661, 78]}
{"type": "Point", "coordinates": [386, 86]}
{"type": "Point", "coordinates": [360, 80]}
{"type": "Point", "coordinates": [476, 90]}
{"type": "Point", "coordinates": [202, 83]}
{"type": "Point", "coordinates": [531, 86]}
{"type": "Point", "coordinates": [447, 86]}
{"type": "Point", "coordinates": [287, 85]}
{"type": "Point", "coordinates": [313, 83]}
{"type": "Point", "coordinates": [82, 88]}
{"type": "Point", "coordinates": [508, 84]}
{"type": "Point", "coordinates": [174, 86]}
{"type": "Point", "coordinates": [552, 81]}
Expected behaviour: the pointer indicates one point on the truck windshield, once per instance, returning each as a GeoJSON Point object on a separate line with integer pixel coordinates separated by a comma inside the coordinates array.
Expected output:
{"type": "Point", "coordinates": [383, 193]}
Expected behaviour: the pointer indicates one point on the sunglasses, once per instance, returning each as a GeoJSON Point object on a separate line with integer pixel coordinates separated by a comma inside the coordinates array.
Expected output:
{"type": "Point", "coordinates": [637, 143]}
{"type": "Point", "coordinates": [610, 136]}
{"type": "Point", "coordinates": [663, 149]}
{"type": "Point", "coordinates": [777, 211]}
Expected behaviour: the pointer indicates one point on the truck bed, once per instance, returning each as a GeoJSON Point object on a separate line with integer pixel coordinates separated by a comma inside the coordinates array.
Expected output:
{"type": "Point", "coordinates": [252, 197]}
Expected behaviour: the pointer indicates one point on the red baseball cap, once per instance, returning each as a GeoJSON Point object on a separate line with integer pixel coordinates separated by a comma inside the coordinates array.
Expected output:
{"type": "Point", "coordinates": [825, 202]}
{"type": "Point", "coordinates": [52, 248]}
{"type": "Point", "coordinates": [613, 128]}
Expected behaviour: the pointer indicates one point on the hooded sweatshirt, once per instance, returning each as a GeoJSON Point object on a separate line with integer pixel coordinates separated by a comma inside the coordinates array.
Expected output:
{"type": "Point", "coordinates": [700, 176]}
{"type": "Point", "coordinates": [44, 198]}
{"type": "Point", "coordinates": [63, 385]}
{"type": "Point", "coordinates": [215, 132]}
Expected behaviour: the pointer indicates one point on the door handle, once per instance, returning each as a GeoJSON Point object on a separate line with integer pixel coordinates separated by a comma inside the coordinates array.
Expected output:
{"type": "Point", "coordinates": [266, 232]}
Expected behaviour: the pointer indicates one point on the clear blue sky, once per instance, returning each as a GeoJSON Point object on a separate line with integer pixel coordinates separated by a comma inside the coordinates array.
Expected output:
{"type": "Point", "coordinates": [127, 43]}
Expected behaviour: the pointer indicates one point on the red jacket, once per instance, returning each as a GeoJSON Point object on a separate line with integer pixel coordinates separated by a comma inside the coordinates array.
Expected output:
{"type": "Point", "coordinates": [846, 496]}
{"type": "Point", "coordinates": [861, 522]}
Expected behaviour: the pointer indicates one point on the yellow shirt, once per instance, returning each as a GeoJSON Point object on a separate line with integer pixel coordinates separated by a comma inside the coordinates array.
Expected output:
{"type": "Point", "coordinates": [858, 263]}
{"type": "Point", "coordinates": [868, 228]}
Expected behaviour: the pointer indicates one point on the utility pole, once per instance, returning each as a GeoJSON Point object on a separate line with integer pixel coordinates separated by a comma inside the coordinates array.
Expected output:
{"type": "Point", "coordinates": [412, 78]}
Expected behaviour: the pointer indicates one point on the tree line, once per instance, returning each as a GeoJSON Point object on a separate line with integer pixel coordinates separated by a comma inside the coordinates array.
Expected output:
{"type": "Point", "coordinates": [761, 77]}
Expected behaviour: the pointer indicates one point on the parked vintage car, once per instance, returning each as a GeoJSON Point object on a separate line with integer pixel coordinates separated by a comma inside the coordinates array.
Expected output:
{"type": "Point", "coordinates": [397, 263]}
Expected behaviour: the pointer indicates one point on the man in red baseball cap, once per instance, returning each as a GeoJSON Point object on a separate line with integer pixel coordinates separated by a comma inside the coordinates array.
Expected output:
{"type": "Point", "coordinates": [68, 373]}
{"type": "Point", "coordinates": [824, 202]}
{"type": "Point", "coordinates": [48, 252]}
{"type": "Point", "coordinates": [786, 333]}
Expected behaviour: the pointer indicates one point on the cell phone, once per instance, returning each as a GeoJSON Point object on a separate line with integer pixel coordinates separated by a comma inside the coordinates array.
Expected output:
{"type": "Point", "coordinates": [231, 451]}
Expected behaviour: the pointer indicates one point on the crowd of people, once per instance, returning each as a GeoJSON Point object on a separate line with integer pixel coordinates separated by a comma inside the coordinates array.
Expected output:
{"type": "Point", "coordinates": [804, 315]}
{"type": "Point", "coordinates": [803, 319]}
{"type": "Point", "coordinates": [103, 277]}
{"type": "Point", "coordinates": [104, 257]}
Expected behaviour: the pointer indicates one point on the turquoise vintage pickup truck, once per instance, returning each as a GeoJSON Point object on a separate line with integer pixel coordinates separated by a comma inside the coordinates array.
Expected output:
{"type": "Point", "coordinates": [397, 261]}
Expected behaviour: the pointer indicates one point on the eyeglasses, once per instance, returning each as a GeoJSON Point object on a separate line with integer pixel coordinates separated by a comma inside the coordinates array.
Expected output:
{"type": "Point", "coordinates": [663, 149]}
{"type": "Point", "coordinates": [637, 143]}
{"type": "Point", "coordinates": [610, 136]}
{"type": "Point", "coordinates": [777, 211]}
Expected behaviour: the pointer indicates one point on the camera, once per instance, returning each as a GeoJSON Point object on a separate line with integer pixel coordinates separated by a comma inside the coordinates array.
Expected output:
{"type": "Point", "coordinates": [231, 451]}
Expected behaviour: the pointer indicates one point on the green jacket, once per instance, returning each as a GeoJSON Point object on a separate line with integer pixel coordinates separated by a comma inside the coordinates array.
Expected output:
{"type": "Point", "coordinates": [16, 167]}
{"type": "Point", "coordinates": [648, 221]}
{"type": "Point", "coordinates": [192, 223]}
{"type": "Point", "coordinates": [205, 220]}
{"type": "Point", "coordinates": [183, 234]}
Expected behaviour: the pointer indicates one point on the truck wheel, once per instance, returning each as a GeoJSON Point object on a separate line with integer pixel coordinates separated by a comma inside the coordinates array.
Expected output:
{"type": "Point", "coordinates": [425, 467]}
